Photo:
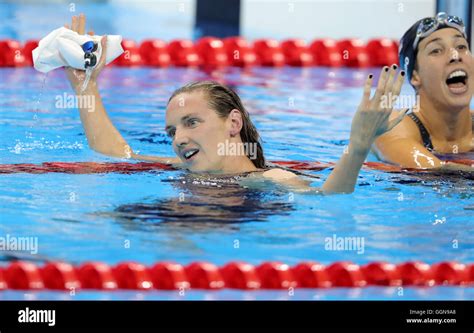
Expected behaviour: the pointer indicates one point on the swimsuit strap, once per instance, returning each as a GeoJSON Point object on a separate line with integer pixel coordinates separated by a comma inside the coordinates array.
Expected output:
{"type": "Point", "coordinates": [425, 136]}
{"type": "Point", "coordinates": [271, 165]}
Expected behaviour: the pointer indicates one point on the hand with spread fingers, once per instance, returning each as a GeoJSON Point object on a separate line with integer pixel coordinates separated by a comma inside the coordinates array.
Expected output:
{"type": "Point", "coordinates": [372, 117]}
{"type": "Point", "coordinates": [77, 77]}
{"type": "Point", "coordinates": [371, 120]}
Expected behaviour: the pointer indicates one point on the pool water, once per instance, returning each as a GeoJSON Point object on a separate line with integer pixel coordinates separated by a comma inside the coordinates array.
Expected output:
{"type": "Point", "coordinates": [302, 114]}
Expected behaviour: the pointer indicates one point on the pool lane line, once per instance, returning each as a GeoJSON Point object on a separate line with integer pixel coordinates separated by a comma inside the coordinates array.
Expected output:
{"type": "Point", "coordinates": [126, 167]}
{"type": "Point", "coordinates": [23, 275]}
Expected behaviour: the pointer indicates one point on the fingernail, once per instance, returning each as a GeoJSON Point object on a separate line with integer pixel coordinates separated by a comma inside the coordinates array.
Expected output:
{"type": "Point", "coordinates": [394, 66]}
{"type": "Point", "coordinates": [370, 76]}
{"type": "Point", "coordinates": [402, 73]}
{"type": "Point", "coordinates": [385, 68]}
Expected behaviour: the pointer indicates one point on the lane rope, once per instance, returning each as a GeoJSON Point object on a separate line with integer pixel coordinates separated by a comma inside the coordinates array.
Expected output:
{"type": "Point", "coordinates": [23, 275]}
{"type": "Point", "coordinates": [126, 167]}
{"type": "Point", "coordinates": [233, 51]}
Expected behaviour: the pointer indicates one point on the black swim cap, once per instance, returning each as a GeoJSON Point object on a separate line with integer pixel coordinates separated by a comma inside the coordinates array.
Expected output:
{"type": "Point", "coordinates": [406, 54]}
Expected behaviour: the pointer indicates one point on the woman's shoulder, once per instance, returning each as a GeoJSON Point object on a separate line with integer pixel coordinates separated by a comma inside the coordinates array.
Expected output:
{"type": "Point", "coordinates": [279, 174]}
{"type": "Point", "coordinates": [406, 129]}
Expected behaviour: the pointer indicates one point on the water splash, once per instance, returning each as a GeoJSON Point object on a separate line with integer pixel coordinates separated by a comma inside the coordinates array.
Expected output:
{"type": "Point", "coordinates": [40, 95]}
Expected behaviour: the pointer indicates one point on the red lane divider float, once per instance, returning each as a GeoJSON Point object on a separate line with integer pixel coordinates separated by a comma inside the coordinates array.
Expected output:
{"type": "Point", "coordinates": [233, 51]}
{"type": "Point", "coordinates": [354, 53]}
{"type": "Point", "coordinates": [154, 52]}
{"type": "Point", "coordinates": [95, 167]}
{"type": "Point", "coordinates": [239, 52]}
{"type": "Point", "coordinates": [22, 275]}
{"type": "Point", "coordinates": [82, 167]}
{"type": "Point", "coordinates": [325, 53]}
{"type": "Point", "coordinates": [125, 167]}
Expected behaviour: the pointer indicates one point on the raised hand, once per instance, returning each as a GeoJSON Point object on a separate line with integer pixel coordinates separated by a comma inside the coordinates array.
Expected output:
{"type": "Point", "coordinates": [372, 117]}
{"type": "Point", "coordinates": [77, 77]}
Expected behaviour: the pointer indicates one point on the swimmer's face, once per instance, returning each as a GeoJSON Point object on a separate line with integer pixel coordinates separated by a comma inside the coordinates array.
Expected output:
{"type": "Point", "coordinates": [439, 56]}
{"type": "Point", "coordinates": [196, 131]}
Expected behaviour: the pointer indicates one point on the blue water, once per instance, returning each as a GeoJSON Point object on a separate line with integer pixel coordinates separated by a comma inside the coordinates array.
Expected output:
{"type": "Point", "coordinates": [302, 114]}
{"type": "Point", "coordinates": [116, 217]}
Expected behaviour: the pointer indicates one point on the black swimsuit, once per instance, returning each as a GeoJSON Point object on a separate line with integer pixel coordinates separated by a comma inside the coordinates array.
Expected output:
{"type": "Point", "coordinates": [425, 136]}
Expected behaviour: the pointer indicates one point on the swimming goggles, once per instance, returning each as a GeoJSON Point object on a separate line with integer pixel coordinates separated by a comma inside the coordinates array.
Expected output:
{"type": "Point", "coordinates": [429, 25]}
{"type": "Point", "coordinates": [89, 56]}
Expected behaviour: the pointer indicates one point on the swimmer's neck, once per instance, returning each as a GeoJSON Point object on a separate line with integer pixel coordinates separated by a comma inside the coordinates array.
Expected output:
{"type": "Point", "coordinates": [238, 164]}
{"type": "Point", "coordinates": [235, 165]}
{"type": "Point", "coordinates": [444, 123]}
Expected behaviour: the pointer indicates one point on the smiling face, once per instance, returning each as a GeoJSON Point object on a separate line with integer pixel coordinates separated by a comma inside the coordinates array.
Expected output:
{"type": "Point", "coordinates": [444, 69]}
{"type": "Point", "coordinates": [196, 131]}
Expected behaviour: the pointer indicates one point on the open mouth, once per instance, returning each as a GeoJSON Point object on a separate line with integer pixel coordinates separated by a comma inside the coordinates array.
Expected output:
{"type": "Point", "coordinates": [189, 154]}
{"type": "Point", "coordinates": [457, 81]}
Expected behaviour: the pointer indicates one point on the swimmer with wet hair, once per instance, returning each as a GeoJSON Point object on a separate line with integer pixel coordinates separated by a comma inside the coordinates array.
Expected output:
{"type": "Point", "coordinates": [201, 116]}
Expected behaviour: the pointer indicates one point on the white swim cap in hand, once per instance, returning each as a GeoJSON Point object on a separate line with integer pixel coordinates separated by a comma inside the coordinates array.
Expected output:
{"type": "Point", "coordinates": [64, 47]}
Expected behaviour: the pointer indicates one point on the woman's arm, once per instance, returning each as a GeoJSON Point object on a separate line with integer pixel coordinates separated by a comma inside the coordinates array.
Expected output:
{"type": "Point", "coordinates": [370, 121]}
{"type": "Point", "coordinates": [104, 137]}
{"type": "Point", "coordinates": [101, 133]}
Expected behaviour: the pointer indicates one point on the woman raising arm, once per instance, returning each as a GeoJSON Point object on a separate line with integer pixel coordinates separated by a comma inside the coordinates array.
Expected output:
{"type": "Point", "coordinates": [202, 115]}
